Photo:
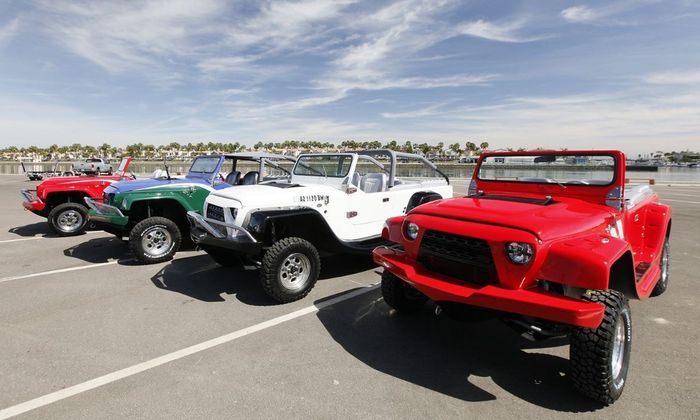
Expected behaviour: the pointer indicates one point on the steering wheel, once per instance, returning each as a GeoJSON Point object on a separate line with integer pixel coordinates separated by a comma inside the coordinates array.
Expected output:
{"type": "Point", "coordinates": [130, 175]}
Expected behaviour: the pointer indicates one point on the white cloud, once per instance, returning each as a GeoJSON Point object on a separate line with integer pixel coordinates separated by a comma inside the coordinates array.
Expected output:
{"type": "Point", "coordinates": [8, 31]}
{"type": "Point", "coordinates": [679, 77]}
{"type": "Point", "coordinates": [502, 32]}
{"type": "Point", "coordinates": [581, 14]}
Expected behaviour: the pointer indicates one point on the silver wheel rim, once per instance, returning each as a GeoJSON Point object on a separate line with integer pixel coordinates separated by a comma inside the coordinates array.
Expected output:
{"type": "Point", "coordinates": [69, 221]}
{"type": "Point", "coordinates": [618, 352]}
{"type": "Point", "coordinates": [156, 241]}
{"type": "Point", "coordinates": [664, 264]}
{"type": "Point", "coordinates": [294, 271]}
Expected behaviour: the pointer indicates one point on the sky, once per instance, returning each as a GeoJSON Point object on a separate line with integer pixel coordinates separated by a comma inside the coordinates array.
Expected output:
{"type": "Point", "coordinates": [554, 74]}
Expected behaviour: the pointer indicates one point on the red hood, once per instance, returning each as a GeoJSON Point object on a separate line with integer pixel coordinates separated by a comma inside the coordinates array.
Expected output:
{"type": "Point", "coordinates": [562, 217]}
{"type": "Point", "coordinates": [73, 179]}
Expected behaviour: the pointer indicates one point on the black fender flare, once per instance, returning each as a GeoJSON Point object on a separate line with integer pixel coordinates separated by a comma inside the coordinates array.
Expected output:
{"type": "Point", "coordinates": [422, 197]}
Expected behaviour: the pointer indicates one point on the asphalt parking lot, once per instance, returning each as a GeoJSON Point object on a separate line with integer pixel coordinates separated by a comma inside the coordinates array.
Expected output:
{"type": "Point", "coordinates": [87, 333]}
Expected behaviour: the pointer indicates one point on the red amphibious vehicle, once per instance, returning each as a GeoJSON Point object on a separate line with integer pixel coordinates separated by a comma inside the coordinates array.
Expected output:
{"type": "Point", "coordinates": [553, 241]}
{"type": "Point", "coordinates": [61, 199]}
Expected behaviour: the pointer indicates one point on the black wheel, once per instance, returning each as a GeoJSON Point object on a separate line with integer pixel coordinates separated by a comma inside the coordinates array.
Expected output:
{"type": "Point", "coordinates": [664, 265]}
{"type": "Point", "coordinates": [290, 269]}
{"type": "Point", "coordinates": [222, 256]}
{"type": "Point", "coordinates": [68, 219]}
{"type": "Point", "coordinates": [155, 240]}
{"type": "Point", "coordinates": [600, 357]}
{"type": "Point", "coordinates": [400, 295]}
{"type": "Point", "coordinates": [110, 171]}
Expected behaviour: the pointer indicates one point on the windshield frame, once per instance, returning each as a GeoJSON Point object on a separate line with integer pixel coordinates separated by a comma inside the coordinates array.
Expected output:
{"type": "Point", "coordinates": [535, 153]}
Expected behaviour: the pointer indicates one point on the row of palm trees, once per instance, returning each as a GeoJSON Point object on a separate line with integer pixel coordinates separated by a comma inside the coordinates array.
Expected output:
{"type": "Point", "coordinates": [175, 149]}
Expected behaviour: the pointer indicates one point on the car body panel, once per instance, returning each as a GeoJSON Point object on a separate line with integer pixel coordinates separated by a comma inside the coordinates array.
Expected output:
{"type": "Point", "coordinates": [578, 233]}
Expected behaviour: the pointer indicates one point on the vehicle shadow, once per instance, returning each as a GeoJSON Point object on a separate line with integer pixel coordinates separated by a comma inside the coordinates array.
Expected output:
{"type": "Point", "coordinates": [101, 250]}
{"type": "Point", "coordinates": [340, 265]}
{"type": "Point", "coordinates": [444, 355]}
{"type": "Point", "coordinates": [39, 229]}
{"type": "Point", "coordinates": [201, 278]}
{"type": "Point", "coordinates": [34, 229]}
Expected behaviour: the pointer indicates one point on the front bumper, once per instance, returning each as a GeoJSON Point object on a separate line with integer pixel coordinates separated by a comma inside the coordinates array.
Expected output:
{"type": "Point", "coordinates": [104, 213]}
{"type": "Point", "coordinates": [208, 232]}
{"type": "Point", "coordinates": [32, 202]}
{"type": "Point", "coordinates": [530, 302]}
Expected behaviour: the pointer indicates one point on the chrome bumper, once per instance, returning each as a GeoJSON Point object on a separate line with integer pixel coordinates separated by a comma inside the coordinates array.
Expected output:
{"type": "Point", "coordinates": [101, 208]}
{"type": "Point", "coordinates": [29, 196]}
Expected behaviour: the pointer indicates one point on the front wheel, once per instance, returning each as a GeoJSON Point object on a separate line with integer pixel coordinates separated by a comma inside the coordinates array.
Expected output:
{"type": "Point", "coordinates": [290, 269]}
{"type": "Point", "coordinates": [155, 240]}
{"type": "Point", "coordinates": [600, 357]}
{"type": "Point", "coordinates": [400, 295]}
{"type": "Point", "coordinates": [68, 219]}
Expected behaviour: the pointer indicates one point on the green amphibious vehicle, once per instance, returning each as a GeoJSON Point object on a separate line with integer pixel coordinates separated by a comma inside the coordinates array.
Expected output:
{"type": "Point", "coordinates": [152, 212]}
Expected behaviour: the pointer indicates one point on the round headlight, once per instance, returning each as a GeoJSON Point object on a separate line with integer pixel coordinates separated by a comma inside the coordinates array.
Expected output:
{"type": "Point", "coordinates": [412, 231]}
{"type": "Point", "coordinates": [519, 252]}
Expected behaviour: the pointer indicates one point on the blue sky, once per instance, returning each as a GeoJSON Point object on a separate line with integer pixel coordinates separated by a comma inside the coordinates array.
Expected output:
{"type": "Point", "coordinates": [598, 74]}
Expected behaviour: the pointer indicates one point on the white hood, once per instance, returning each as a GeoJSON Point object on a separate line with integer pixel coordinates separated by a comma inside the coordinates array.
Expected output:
{"type": "Point", "coordinates": [266, 196]}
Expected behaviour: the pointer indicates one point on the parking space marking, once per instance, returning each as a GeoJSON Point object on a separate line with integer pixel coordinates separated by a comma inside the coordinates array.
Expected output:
{"type": "Point", "coordinates": [5, 241]}
{"type": "Point", "coordinates": [176, 355]}
{"type": "Point", "coordinates": [60, 270]}
{"type": "Point", "coordinates": [680, 201]}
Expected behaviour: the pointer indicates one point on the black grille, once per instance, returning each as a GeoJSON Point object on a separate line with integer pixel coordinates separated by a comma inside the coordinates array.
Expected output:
{"type": "Point", "coordinates": [461, 257]}
{"type": "Point", "coordinates": [215, 212]}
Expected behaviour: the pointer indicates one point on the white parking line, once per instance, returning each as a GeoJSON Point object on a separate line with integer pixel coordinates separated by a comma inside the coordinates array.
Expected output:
{"type": "Point", "coordinates": [167, 358]}
{"type": "Point", "coordinates": [680, 201]}
{"type": "Point", "coordinates": [5, 241]}
{"type": "Point", "coordinates": [61, 270]}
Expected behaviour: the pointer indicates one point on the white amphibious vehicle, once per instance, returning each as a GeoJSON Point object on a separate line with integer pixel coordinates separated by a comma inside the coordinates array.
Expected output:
{"type": "Point", "coordinates": [332, 203]}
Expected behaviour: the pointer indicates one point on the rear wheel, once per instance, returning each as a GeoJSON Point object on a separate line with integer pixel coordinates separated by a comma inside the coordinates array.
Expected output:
{"type": "Point", "coordinates": [68, 219]}
{"type": "Point", "coordinates": [290, 269]}
{"type": "Point", "coordinates": [400, 295]}
{"type": "Point", "coordinates": [155, 240]}
{"type": "Point", "coordinates": [600, 357]}
{"type": "Point", "coordinates": [664, 264]}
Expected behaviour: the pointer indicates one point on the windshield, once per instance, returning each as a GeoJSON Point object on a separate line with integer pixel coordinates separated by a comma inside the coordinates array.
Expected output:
{"type": "Point", "coordinates": [549, 169]}
{"type": "Point", "coordinates": [335, 166]}
{"type": "Point", "coordinates": [206, 164]}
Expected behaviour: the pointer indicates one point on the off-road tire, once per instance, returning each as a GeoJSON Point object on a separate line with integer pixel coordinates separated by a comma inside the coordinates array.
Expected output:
{"type": "Point", "coordinates": [222, 257]}
{"type": "Point", "coordinates": [591, 352]}
{"type": "Point", "coordinates": [400, 295]}
{"type": "Point", "coordinates": [139, 235]}
{"type": "Point", "coordinates": [665, 266]}
{"type": "Point", "coordinates": [62, 210]}
{"type": "Point", "coordinates": [272, 274]}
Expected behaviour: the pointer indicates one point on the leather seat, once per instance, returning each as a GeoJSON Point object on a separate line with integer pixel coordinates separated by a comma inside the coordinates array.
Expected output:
{"type": "Point", "coordinates": [251, 178]}
{"type": "Point", "coordinates": [233, 178]}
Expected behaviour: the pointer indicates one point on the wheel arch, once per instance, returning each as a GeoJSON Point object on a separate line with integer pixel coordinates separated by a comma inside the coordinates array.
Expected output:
{"type": "Point", "coordinates": [622, 277]}
{"type": "Point", "coordinates": [55, 198]}
{"type": "Point", "coordinates": [421, 197]}
{"type": "Point", "coordinates": [269, 226]}
{"type": "Point", "coordinates": [169, 207]}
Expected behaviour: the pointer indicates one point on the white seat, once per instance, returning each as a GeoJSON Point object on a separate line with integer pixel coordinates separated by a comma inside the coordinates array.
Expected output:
{"type": "Point", "coordinates": [373, 182]}
{"type": "Point", "coordinates": [356, 179]}
{"type": "Point", "coordinates": [634, 195]}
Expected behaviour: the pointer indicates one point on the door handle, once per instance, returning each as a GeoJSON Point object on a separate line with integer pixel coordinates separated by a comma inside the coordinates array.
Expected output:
{"type": "Point", "coordinates": [385, 199]}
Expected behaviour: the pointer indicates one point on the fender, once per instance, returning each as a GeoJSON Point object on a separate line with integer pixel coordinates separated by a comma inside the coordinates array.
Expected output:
{"type": "Point", "coordinates": [583, 262]}
{"type": "Point", "coordinates": [191, 198]}
{"type": "Point", "coordinates": [267, 226]}
{"type": "Point", "coordinates": [421, 197]}
{"type": "Point", "coordinates": [657, 228]}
